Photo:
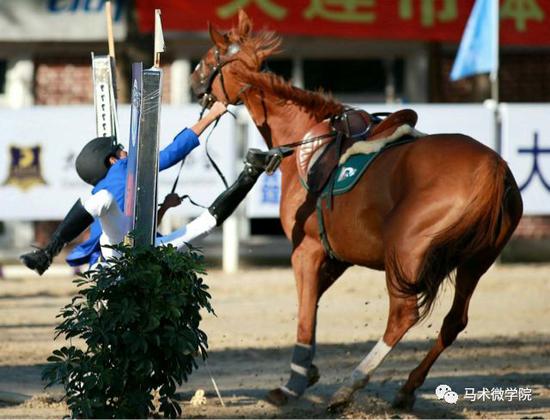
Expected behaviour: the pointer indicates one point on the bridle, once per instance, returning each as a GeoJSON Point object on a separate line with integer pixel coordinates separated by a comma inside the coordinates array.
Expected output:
{"type": "Point", "coordinates": [207, 80]}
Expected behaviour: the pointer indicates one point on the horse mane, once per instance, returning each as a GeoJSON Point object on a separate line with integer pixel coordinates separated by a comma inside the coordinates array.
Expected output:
{"type": "Point", "coordinates": [319, 104]}
{"type": "Point", "coordinates": [262, 45]}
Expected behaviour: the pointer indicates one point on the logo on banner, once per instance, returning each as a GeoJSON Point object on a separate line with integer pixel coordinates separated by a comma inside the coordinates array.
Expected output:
{"type": "Point", "coordinates": [25, 170]}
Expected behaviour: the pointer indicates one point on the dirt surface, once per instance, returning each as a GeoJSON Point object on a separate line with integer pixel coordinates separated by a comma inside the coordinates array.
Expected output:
{"type": "Point", "coordinates": [506, 345]}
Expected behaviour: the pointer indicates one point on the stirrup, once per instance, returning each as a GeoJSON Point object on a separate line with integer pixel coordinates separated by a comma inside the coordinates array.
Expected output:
{"type": "Point", "coordinates": [268, 160]}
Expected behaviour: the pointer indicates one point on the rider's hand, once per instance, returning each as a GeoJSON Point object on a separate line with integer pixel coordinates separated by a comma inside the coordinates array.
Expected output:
{"type": "Point", "coordinates": [171, 200]}
{"type": "Point", "coordinates": [218, 109]}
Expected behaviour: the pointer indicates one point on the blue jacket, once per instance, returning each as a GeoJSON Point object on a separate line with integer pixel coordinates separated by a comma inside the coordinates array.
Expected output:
{"type": "Point", "coordinates": [88, 252]}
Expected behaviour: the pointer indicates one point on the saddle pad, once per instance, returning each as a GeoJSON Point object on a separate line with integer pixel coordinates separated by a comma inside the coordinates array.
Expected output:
{"type": "Point", "coordinates": [349, 172]}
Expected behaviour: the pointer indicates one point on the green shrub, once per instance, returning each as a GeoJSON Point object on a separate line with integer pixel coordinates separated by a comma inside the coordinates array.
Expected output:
{"type": "Point", "coordinates": [139, 318]}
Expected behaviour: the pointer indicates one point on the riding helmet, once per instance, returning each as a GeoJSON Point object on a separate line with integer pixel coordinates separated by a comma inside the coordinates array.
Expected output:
{"type": "Point", "coordinates": [92, 162]}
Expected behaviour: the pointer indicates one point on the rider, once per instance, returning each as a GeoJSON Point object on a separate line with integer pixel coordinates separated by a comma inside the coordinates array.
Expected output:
{"type": "Point", "coordinates": [103, 164]}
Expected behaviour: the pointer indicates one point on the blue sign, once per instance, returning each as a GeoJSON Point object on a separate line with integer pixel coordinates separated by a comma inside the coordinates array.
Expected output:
{"type": "Point", "coordinates": [271, 188]}
{"type": "Point", "coordinates": [59, 6]}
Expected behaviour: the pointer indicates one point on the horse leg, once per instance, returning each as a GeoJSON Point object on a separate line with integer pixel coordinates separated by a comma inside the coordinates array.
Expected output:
{"type": "Point", "coordinates": [403, 314]}
{"type": "Point", "coordinates": [468, 274]}
{"type": "Point", "coordinates": [467, 277]}
{"type": "Point", "coordinates": [314, 275]}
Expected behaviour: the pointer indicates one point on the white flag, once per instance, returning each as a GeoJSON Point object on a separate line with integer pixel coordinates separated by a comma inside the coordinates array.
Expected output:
{"type": "Point", "coordinates": [159, 37]}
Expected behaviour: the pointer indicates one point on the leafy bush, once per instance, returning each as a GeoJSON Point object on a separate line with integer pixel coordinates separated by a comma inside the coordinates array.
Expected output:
{"type": "Point", "coordinates": [139, 318]}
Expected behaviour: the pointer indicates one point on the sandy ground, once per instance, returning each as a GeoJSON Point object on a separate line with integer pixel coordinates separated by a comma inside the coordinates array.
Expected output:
{"type": "Point", "coordinates": [506, 345]}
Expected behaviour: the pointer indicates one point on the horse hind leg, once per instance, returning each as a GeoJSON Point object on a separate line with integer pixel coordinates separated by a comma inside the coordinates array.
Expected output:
{"type": "Point", "coordinates": [456, 320]}
{"type": "Point", "coordinates": [403, 314]}
{"type": "Point", "coordinates": [468, 274]}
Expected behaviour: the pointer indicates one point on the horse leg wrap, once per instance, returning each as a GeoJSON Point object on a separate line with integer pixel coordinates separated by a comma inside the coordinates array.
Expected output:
{"type": "Point", "coordinates": [302, 357]}
{"type": "Point", "coordinates": [361, 374]}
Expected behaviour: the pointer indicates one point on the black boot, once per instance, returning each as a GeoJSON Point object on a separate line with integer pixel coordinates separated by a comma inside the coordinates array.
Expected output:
{"type": "Point", "coordinates": [268, 160]}
{"type": "Point", "coordinates": [75, 222]}
{"type": "Point", "coordinates": [256, 162]}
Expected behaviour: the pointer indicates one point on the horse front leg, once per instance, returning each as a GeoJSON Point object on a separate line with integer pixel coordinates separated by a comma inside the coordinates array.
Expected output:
{"type": "Point", "coordinates": [314, 274]}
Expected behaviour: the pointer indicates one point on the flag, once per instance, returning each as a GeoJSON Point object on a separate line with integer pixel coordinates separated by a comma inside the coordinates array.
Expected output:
{"type": "Point", "coordinates": [159, 36]}
{"type": "Point", "coordinates": [478, 51]}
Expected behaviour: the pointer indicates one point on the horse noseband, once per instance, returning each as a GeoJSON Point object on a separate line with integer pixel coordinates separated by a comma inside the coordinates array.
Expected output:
{"type": "Point", "coordinates": [208, 81]}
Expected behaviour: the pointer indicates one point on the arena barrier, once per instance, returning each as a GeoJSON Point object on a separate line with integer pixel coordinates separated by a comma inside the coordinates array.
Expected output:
{"type": "Point", "coordinates": [38, 180]}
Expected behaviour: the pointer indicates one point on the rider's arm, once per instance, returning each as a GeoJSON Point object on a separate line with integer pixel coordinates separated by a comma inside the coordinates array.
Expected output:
{"type": "Point", "coordinates": [217, 110]}
{"type": "Point", "coordinates": [188, 139]}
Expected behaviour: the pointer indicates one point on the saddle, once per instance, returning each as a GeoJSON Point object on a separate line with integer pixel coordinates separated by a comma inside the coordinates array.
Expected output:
{"type": "Point", "coordinates": [317, 159]}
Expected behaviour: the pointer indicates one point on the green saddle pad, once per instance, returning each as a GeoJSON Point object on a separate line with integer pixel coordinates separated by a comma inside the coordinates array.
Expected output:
{"type": "Point", "coordinates": [347, 174]}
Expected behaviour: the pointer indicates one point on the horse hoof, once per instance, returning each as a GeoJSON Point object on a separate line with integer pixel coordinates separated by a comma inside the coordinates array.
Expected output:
{"type": "Point", "coordinates": [404, 401]}
{"type": "Point", "coordinates": [277, 397]}
{"type": "Point", "coordinates": [313, 375]}
{"type": "Point", "coordinates": [340, 400]}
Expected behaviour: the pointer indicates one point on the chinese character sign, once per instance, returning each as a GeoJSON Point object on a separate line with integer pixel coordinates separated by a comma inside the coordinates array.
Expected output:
{"type": "Point", "coordinates": [526, 148]}
{"type": "Point", "coordinates": [523, 22]}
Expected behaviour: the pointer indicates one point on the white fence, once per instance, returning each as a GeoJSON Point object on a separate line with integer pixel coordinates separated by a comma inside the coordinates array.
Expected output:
{"type": "Point", "coordinates": [38, 180]}
{"type": "Point", "coordinates": [39, 144]}
{"type": "Point", "coordinates": [526, 148]}
{"type": "Point", "coordinates": [474, 120]}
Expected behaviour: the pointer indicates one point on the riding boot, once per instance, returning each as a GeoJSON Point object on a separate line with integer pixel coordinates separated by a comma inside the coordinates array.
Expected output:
{"type": "Point", "coordinates": [255, 164]}
{"type": "Point", "coordinates": [226, 203]}
{"type": "Point", "coordinates": [75, 222]}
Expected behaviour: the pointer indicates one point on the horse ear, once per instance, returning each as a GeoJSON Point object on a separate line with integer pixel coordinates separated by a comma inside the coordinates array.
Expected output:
{"type": "Point", "coordinates": [245, 24]}
{"type": "Point", "coordinates": [216, 36]}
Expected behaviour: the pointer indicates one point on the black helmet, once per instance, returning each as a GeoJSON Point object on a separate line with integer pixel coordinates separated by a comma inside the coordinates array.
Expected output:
{"type": "Point", "coordinates": [91, 163]}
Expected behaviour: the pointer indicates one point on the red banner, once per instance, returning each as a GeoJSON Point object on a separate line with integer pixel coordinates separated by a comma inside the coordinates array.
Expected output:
{"type": "Point", "coordinates": [523, 22]}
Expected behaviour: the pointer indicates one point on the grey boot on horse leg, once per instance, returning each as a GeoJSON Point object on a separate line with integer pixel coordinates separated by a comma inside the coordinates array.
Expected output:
{"type": "Point", "coordinates": [304, 373]}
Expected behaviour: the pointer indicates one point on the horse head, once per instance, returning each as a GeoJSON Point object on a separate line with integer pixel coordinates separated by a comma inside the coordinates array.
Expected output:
{"type": "Point", "coordinates": [235, 52]}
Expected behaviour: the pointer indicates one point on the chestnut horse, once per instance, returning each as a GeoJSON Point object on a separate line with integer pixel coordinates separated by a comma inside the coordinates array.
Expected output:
{"type": "Point", "coordinates": [422, 210]}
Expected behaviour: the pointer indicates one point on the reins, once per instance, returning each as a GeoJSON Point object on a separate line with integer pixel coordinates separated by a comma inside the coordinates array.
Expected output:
{"type": "Point", "coordinates": [216, 70]}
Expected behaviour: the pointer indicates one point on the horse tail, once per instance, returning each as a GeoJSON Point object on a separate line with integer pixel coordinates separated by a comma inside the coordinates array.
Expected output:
{"type": "Point", "coordinates": [477, 228]}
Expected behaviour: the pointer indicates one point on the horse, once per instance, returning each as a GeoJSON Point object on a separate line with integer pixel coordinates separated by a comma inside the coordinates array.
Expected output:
{"type": "Point", "coordinates": [442, 206]}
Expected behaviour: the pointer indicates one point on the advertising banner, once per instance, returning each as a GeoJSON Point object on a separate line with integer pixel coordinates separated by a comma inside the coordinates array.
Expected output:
{"type": "Point", "coordinates": [522, 22]}
{"type": "Point", "coordinates": [39, 145]}
{"type": "Point", "coordinates": [526, 148]}
{"type": "Point", "coordinates": [470, 119]}
{"type": "Point", "coordinates": [59, 20]}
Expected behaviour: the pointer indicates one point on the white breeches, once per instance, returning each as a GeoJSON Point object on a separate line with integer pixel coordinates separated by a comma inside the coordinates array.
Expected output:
{"type": "Point", "coordinates": [196, 229]}
{"type": "Point", "coordinates": [115, 224]}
